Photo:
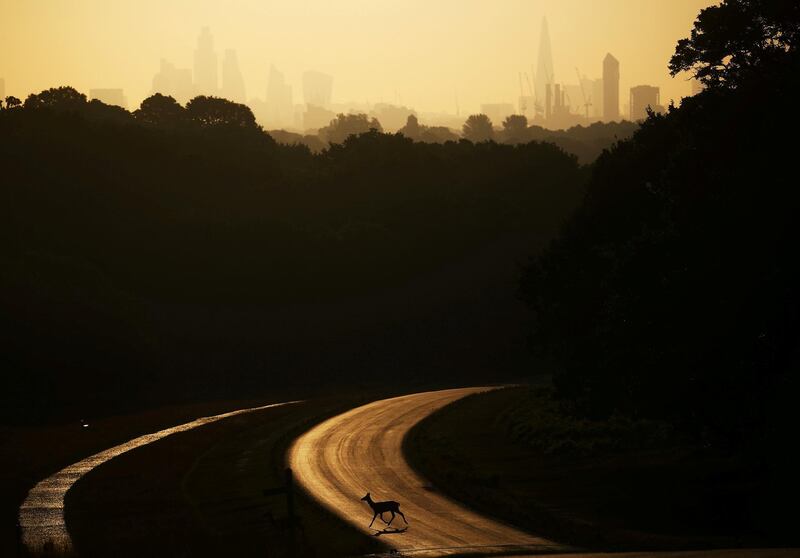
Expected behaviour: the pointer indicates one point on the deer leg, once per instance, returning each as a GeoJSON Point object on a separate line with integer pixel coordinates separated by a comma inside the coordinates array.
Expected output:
{"type": "Point", "coordinates": [392, 519]}
{"type": "Point", "coordinates": [403, 516]}
{"type": "Point", "coordinates": [373, 519]}
{"type": "Point", "coordinates": [382, 519]}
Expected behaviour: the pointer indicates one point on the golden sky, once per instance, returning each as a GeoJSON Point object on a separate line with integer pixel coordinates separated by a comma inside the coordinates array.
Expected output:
{"type": "Point", "coordinates": [417, 51]}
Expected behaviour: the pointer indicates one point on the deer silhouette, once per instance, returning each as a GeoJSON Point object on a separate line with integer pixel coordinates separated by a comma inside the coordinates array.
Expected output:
{"type": "Point", "coordinates": [380, 508]}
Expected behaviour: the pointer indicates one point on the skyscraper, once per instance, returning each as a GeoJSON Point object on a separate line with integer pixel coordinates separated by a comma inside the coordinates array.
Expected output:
{"type": "Point", "coordinates": [642, 97]}
{"type": "Point", "coordinates": [115, 97]}
{"type": "Point", "coordinates": [610, 88]}
{"type": "Point", "coordinates": [544, 68]}
{"type": "Point", "coordinates": [172, 81]}
{"type": "Point", "coordinates": [279, 110]}
{"type": "Point", "coordinates": [205, 65]}
{"type": "Point", "coordinates": [232, 81]}
{"type": "Point", "coordinates": [317, 89]}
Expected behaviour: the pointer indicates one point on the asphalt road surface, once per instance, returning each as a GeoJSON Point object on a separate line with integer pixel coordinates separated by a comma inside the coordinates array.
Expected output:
{"type": "Point", "coordinates": [41, 515]}
{"type": "Point", "coordinates": [360, 451]}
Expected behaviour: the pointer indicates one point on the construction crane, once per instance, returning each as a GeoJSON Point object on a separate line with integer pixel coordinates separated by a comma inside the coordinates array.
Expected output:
{"type": "Point", "coordinates": [523, 103]}
{"type": "Point", "coordinates": [537, 106]}
{"type": "Point", "coordinates": [530, 87]}
{"type": "Point", "coordinates": [586, 102]}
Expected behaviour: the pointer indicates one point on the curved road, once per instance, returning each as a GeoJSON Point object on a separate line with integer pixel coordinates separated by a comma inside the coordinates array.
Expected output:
{"type": "Point", "coordinates": [41, 515]}
{"type": "Point", "coordinates": [343, 458]}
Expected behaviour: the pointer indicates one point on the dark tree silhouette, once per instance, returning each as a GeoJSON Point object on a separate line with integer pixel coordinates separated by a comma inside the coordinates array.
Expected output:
{"type": "Point", "coordinates": [12, 102]}
{"type": "Point", "coordinates": [427, 134]}
{"type": "Point", "coordinates": [217, 112]}
{"type": "Point", "coordinates": [673, 292]}
{"type": "Point", "coordinates": [437, 134]}
{"type": "Point", "coordinates": [412, 128]}
{"type": "Point", "coordinates": [515, 128]}
{"type": "Point", "coordinates": [478, 128]}
{"type": "Point", "coordinates": [118, 227]}
{"type": "Point", "coordinates": [162, 111]}
{"type": "Point", "coordinates": [737, 38]}
{"type": "Point", "coordinates": [97, 110]}
{"type": "Point", "coordinates": [346, 125]}
{"type": "Point", "coordinates": [60, 98]}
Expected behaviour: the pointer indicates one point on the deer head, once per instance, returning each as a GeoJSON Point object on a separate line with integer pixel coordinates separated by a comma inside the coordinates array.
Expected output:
{"type": "Point", "coordinates": [366, 498]}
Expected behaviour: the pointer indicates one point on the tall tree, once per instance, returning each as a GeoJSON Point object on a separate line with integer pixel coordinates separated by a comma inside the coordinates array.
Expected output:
{"type": "Point", "coordinates": [213, 111]}
{"type": "Point", "coordinates": [477, 128]}
{"type": "Point", "coordinates": [161, 111]}
{"type": "Point", "coordinates": [12, 102]}
{"type": "Point", "coordinates": [412, 128]}
{"type": "Point", "coordinates": [738, 38]}
{"type": "Point", "coordinates": [515, 128]}
{"type": "Point", "coordinates": [346, 125]}
{"type": "Point", "coordinates": [58, 98]}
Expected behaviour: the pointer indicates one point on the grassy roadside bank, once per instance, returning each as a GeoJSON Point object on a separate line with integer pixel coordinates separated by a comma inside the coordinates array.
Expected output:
{"type": "Point", "coordinates": [200, 494]}
{"type": "Point", "coordinates": [612, 485]}
{"type": "Point", "coordinates": [31, 454]}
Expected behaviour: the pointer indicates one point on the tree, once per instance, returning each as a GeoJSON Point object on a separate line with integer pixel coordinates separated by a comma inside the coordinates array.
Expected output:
{"type": "Point", "coordinates": [412, 128]}
{"type": "Point", "coordinates": [99, 111]}
{"type": "Point", "coordinates": [477, 128]}
{"type": "Point", "coordinates": [12, 102]}
{"type": "Point", "coordinates": [437, 134]}
{"type": "Point", "coordinates": [515, 127]}
{"type": "Point", "coordinates": [346, 125]}
{"type": "Point", "coordinates": [59, 98]}
{"type": "Point", "coordinates": [739, 37]}
{"type": "Point", "coordinates": [656, 293]}
{"type": "Point", "coordinates": [214, 112]}
{"type": "Point", "coordinates": [161, 111]}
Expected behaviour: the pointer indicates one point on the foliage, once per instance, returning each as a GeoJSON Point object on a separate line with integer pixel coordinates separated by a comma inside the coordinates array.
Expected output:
{"type": "Point", "coordinates": [672, 293]}
{"type": "Point", "coordinates": [738, 40]}
{"type": "Point", "coordinates": [57, 98]}
{"type": "Point", "coordinates": [161, 111]}
{"type": "Point", "coordinates": [478, 128]}
{"type": "Point", "coordinates": [12, 102]}
{"type": "Point", "coordinates": [148, 259]}
{"type": "Point", "coordinates": [214, 111]}
{"type": "Point", "coordinates": [428, 134]}
{"type": "Point", "coordinates": [346, 125]}
{"type": "Point", "coordinates": [515, 127]}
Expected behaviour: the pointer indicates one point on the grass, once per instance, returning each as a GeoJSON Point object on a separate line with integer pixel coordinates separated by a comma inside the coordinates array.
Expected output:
{"type": "Point", "coordinates": [188, 494]}
{"type": "Point", "coordinates": [607, 485]}
{"type": "Point", "coordinates": [29, 454]}
{"type": "Point", "coordinates": [200, 494]}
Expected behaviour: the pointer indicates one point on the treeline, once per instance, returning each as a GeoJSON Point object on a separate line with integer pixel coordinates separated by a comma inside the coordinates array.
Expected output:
{"type": "Point", "coordinates": [163, 253]}
{"type": "Point", "coordinates": [585, 142]}
{"type": "Point", "coordinates": [673, 291]}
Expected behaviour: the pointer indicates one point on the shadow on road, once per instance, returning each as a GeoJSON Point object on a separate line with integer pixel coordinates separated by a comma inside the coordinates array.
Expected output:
{"type": "Point", "coordinates": [389, 531]}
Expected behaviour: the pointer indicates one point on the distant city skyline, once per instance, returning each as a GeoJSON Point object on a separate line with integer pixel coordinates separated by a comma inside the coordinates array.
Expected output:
{"type": "Point", "coordinates": [413, 53]}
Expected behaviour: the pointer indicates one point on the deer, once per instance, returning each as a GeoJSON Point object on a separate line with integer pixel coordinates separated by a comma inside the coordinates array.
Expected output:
{"type": "Point", "coordinates": [379, 508]}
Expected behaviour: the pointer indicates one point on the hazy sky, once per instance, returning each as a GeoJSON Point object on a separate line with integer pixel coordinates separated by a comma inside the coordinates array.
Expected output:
{"type": "Point", "coordinates": [420, 51]}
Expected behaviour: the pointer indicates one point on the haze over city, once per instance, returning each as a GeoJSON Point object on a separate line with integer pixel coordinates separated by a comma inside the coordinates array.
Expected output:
{"type": "Point", "coordinates": [384, 278]}
{"type": "Point", "coordinates": [445, 56]}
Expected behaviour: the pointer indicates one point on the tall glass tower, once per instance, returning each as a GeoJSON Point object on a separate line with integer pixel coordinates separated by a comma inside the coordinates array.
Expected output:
{"type": "Point", "coordinates": [205, 65]}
